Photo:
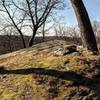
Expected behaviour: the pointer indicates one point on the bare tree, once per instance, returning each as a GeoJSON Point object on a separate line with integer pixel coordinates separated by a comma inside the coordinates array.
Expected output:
{"type": "Point", "coordinates": [8, 32]}
{"type": "Point", "coordinates": [60, 30]}
{"type": "Point", "coordinates": [38, 11]}
{"type": "Point", "coordinates": [87, 34]}
{"type": "Point", "coordinates": [11, 16]}
{"type": "Point", "coordinates": [45, 30]}
{"type": "Point", "coordinates": [96, 27]}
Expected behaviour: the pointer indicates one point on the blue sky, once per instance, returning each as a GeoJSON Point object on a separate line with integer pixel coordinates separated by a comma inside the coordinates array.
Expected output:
{"type": "Point", "coordinates": [92, 6]}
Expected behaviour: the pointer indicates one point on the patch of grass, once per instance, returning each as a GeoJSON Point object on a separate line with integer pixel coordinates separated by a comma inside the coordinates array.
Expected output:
{"type": "Point", "coordinates": [38, 86]}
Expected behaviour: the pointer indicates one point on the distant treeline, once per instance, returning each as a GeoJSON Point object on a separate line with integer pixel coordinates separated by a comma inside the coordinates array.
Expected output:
{"type": "Point", "coordinates": [13, 43]}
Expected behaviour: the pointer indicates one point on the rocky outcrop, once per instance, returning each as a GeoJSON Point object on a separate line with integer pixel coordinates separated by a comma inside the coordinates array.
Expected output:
{"type": "Point", "coordinates": [66, 49]}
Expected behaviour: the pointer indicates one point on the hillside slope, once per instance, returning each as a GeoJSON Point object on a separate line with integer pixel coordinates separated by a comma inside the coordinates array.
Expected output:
{"type": "Point", "coordinates": [38, 74]}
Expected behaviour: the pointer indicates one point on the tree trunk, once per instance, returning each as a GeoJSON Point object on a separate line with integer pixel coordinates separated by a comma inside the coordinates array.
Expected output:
{"type": "Point", "coordinates": [32, 39]}
{"type": "Point", "coordinates": [43, 32]}
{"type": "Point", "coordinates": [87, 34]}
{"type": "Point", "coordinates": [22, 38]}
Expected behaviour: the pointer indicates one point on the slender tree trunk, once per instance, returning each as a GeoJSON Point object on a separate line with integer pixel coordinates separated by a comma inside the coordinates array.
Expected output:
{"type": "Point", "coordinates": [43, 32]}
{"type": "Point", "coordinates": [32, 38]}
{"type": "Point", "coordinates": [22, 38]}
{"type": "Point", "coordinates": [87, 34]}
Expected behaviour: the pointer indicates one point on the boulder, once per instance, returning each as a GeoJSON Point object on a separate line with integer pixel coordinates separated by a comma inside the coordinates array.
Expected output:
{"type": "Point", "coordinates": [70, 49]}
{"type": "Point", "coordinates": [66, 49]}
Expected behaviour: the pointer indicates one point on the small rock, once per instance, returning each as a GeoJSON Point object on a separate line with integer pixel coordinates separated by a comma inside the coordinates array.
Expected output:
{"type": "Point", "coordinates": [58, 52]}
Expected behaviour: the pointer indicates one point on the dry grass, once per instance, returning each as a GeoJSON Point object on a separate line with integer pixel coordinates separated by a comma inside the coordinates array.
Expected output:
{"type": "Point", "coordinates": [33, 86]}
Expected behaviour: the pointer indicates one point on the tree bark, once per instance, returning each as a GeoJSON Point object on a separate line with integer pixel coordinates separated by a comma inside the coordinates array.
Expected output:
{"type": "Point", "coordinates": [87, 34]}
{"type": "Point", "coordinates": [32, 38]}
